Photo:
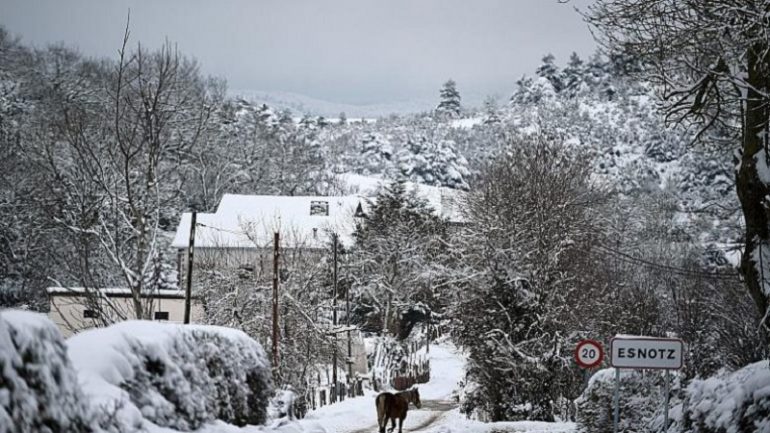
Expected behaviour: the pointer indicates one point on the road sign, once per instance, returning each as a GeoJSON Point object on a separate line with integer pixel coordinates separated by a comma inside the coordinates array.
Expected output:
{"type": "Point", "coordinates": [589, 353]}
{"type": "Point", "coordinates": [647, 353]}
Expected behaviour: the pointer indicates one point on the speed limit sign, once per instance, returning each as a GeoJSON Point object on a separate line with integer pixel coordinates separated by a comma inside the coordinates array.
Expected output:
{"type": "Point", "coordinates": [589, 353]}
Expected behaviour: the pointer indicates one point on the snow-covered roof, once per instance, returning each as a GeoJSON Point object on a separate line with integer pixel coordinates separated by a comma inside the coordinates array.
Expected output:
{"type": "Point", "coordinates": [114, 291]}
{"type": "Point", "coordinates": [248, 221]}
{"type": "Point", "coordinates": [446, 202]}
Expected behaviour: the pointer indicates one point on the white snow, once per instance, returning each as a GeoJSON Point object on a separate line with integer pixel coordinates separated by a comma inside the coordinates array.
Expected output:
{"type": "Point", "coordinates": [110, 361]}
{"type": "Point", "coordinates": [466, 123]}
{"type": "Point", "coordinates": [437, 415]}
{"type": "Point", "coordinates": [249, 221]}
{"type": "Point", "coordinates": [111, 291]}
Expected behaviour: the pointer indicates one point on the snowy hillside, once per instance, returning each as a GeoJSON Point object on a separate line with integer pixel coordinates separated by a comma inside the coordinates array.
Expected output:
{"type": "Point", "coordinates": [302, 104]}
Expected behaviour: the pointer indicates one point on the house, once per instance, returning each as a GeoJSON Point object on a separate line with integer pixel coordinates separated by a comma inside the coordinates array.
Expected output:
{"type": "Point", "coordinates": [74, 309]}
{"type": "Point", "coordinates": [240, 233]}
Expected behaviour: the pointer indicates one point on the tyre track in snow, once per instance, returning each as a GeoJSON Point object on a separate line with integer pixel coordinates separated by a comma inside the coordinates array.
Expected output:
{"type": "Point", "coordinates": [436, 408]}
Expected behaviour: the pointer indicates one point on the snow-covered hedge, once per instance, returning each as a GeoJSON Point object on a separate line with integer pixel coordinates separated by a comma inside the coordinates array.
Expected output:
{"type": "Point", "coordinates": [640, 402]}
{"type": "Point", "coordinates": [172, 375]}
{"type": "Point", "coordinates": [38, 386]}
{"type": "Point", "coordinates": [730, 402]}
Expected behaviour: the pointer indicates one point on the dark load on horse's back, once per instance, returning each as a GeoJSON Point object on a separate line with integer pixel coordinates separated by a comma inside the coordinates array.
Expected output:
{"type": "Point", "coordinates": [394, 406]}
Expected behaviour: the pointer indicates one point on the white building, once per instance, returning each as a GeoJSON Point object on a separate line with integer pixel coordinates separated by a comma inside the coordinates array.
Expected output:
{"type": "Point", "coordinates": [74, 309]}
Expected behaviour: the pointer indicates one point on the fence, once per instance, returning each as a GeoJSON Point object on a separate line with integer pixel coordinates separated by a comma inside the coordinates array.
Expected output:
{"type": "Point", "coordinates": [393, 364]}
{"type": "Point", "coordinates": [398, 366]}
{"type": "Point", "coordinates": [321, 396]}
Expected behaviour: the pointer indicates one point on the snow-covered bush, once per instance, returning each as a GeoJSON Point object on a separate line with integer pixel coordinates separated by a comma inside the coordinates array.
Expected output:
{"type": "Point", "coordinates": [640, 402]}
{"type": "Point", "coordinates": [174, 376]}
{"type": "Point", "coordinates": [730, 402]}
{"type": "Point", "coordinates": [39, 389]}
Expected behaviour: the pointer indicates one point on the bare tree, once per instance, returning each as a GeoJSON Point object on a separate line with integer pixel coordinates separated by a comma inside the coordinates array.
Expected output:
{"type": "Point", "coordinates": [114, 157]}
{"type": "Point", "coordinates": [711, 60]}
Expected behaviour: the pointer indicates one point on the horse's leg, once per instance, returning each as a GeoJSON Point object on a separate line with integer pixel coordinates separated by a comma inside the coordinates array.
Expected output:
{"type": "Point", "coordinates": [401, 423]}
{"type": "Point", "coordinates": [393, 424]}
{"type": "Point", "coordinates": [380, 415]}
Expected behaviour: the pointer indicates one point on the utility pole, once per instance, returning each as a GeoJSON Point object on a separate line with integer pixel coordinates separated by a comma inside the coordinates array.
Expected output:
{"type": "Point", "coordinates": [190, 251]}
{"type": "Point", "coordinates": [350, 343]}
{"type": "Point", "coordinates": [276, 254]}
{"type": "Point", "coordinates": [334, 316]}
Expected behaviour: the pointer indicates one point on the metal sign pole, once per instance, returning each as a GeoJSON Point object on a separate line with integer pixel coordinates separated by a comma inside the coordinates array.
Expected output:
{"type": "Point", "coordinates": [616, 418]}
{"type": "Point", "coordinates": [668, 398]}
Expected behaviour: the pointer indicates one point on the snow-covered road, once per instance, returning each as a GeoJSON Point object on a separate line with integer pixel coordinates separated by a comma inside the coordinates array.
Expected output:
{"type": "Point", "coordinates": [358, 415]}
{"type": "Point", "coordinates": [439, 413]}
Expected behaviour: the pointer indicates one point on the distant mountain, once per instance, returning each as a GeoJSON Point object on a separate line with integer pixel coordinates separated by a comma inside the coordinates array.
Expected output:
{"type": "Point", "coordinates": [302, 104]}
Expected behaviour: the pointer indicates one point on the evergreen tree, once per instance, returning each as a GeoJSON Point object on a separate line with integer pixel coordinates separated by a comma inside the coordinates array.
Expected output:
{"type": "Point", "coordinates": [376, 154]}
{"type": "Point", "coordinates": [395, 243]}
{"type": "Point", "coordinates": [572, 75]}
{"type": "Point", "coordinates": [449, 106]}
{"type": "Point", "coordinates": [433, 162]}
{"type": "Point", "coordinates": [550, 72]}
{"type": "Point", "coordinates": [490, 111]}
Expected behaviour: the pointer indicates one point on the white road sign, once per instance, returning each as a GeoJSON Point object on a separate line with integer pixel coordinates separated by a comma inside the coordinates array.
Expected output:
{"type": "Point", "coordinates": [646, 353]}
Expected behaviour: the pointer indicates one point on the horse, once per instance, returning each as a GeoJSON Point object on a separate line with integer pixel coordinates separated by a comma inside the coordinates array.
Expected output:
{"type": "Point", "coordinates": [395, 406]}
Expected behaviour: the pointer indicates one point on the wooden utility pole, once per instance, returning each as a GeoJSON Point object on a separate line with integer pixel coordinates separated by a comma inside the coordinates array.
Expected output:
{"type": "Point", "coordinates": [350, 343]}
{"type": "Point", "coordinates": [276, 254]}
{"type": "Point", "coordinates": [190, 251]}
{"type": "Point", "coordinates": [334, 316]}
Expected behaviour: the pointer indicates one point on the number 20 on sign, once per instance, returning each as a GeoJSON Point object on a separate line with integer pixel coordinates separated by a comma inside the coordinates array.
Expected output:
{"type": "Point", "coordinates": [589, 353]}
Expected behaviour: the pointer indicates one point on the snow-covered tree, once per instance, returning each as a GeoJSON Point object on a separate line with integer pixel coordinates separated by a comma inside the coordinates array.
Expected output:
{"type": "Point", "coordinates": [711, 63]}
{"type": "Point", "coordinates": [550, 72]}
{"type": "Point", "coordinates": [395, 243]}
{"type": "Point", "coordinates": [376, 153]}
{"type": "Point", "coordinates": [531, 222]}
{"type": "Point", "coordinates": [449, 105]}
{"type": "Point", "coordinates": [433, 163]}
{"type": "Point", "coordinates": [491, 111]}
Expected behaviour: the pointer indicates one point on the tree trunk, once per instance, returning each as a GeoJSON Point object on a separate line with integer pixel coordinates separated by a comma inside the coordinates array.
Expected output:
{"type": "Point", "coordinates": [753, 176]}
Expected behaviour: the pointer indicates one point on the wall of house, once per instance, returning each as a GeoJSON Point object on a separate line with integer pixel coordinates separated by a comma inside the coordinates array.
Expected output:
{"type": "Point", "coordinates": [254, 263]}
{"type": "Point", "coordinates": [69, 312]}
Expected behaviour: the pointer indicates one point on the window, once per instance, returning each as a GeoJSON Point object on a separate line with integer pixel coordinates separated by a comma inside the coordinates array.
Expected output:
{"type": "Point", "coordinates": [90, 314]}
{"type": "Point", "coordinates": [161, 315]}
{"type": "Point", "coordinates": [359, 211]}
{"type": "Point", "coordinates": [319, 207]}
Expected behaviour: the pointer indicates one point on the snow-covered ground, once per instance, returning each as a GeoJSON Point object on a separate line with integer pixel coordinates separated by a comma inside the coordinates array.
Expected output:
{"type": "Point", "coordinates": [439, 413]}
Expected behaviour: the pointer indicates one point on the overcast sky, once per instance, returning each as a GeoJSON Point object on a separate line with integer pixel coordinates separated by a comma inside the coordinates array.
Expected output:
{"type": "Point", "coordinates": [352, 51]}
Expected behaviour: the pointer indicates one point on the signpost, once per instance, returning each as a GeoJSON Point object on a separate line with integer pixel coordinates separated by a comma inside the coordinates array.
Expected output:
{"type": "Point", "coordinates": [645, 353]}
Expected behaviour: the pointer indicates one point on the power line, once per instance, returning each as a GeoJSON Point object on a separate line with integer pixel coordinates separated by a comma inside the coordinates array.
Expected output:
{"type": "Point", "coordinates": [668, 268]}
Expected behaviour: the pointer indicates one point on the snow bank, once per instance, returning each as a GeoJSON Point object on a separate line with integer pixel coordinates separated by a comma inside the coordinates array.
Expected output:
{"type": "Point", "coordinates": [731, 402]}
{"type": "Point", "coordinates": [175, 376]}
{"type": "Point", "coordinates": [38, 386]}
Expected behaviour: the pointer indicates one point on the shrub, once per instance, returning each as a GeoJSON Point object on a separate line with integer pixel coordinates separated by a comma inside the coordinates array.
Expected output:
{"type": "Point", "coordinates": [39, 389]}
{"type": "Point", "coordinates": [175, 376]}
{"type": "Point", "coordinates": [641, 395]}
{"type": "Point", "coordinates": [732, 402]}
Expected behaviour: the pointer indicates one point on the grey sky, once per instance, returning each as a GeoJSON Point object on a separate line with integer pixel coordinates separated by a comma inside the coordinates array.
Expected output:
{"type": "Point", "coordinates": [352, 51]}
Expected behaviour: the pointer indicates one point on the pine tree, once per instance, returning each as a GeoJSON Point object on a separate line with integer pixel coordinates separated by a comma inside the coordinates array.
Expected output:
{"type": "Point", "coordinates": [490, 111]}
{"type": "Point", "coordinates": [376, 153]}
{"type": "Point", "coordinates": [449, 106]}
{"type": "Point", "coordinates": [433, 162]}
{"type": "Point", "coordinates": [572, 75]}
{"type": "Point", "coordinates": [550, 72]}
